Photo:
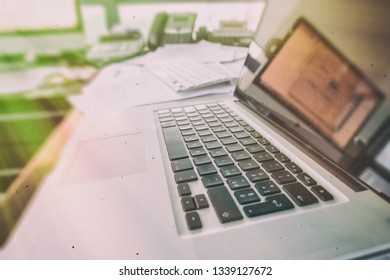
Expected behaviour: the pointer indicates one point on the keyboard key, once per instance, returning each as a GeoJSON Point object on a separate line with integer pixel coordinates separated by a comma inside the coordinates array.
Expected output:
{"type": "Point", "coordinates": [185, 176]}
{"type": "Point", "coordinates": [262, 156]}
{"type": "Point", "coordinates": [240, 155]}
{"type": "Point", "coordinates": [168, 124]}
{"type": "Point", "coordinates": [193, 220]}
{"type": "Point", "coordinates": [234, 147]}
{"type": "Point", "coordinates": [204, 132]}
{"type": "Point", "coordinates": [228, 140]}
{"type": "Point", "coordinates": [201, 127]}
{"type": "Point", "coordinates": [322, 193]}
{"type": "Point", "coordinates": [306, 179]}
{"type": "Point", "coordinates": [230, 171]}
{"type": "Point", "coordinates": [282, 157]}
{"type": "Point", "coordinates": [218, 152]}
{"type": "Point", "coordinates": [238, 182]}
{"type": "Point", "coordinates": [201, 201]}
{"type": "Point", "coordinates": [223, 161]}
{"type": "Point", "coordinates": [293, 167]}
{"type": "Point", "coordinates": [267, 188]}
{"type": "Point", "coordinates": [235, 129]}
{"type": "Point", "coordinates": [246, 196]}
{"type": "Point", "coordinates": [166, 119]}
{"type": "Point", "coordinates": [188, 204]}
{"type": "Point", "coordinates": [224, 205]}
{"type": "Point", "coordinates": [198, 151]}
{"type": "Point", "coordinates": [248, 128]}
{"type": "Point", "coordinates": [201, 160]}
{"type": "Point", "coordinates": [254, 148]}
{"type": "Point", "coordinates": [300, 194]}
{"type": "Point", "coordinates": [190, 138]}
{"type": "Point", "coordinates": [272, 204]}
{"type": "Point", "coordinates": [247, 141]}
{"type": "Point", "coordinates": [183, 189]}
{"type": "Point", "coordinates": [283, 177]}
{"type": "Point", "coordinates": [185, 127]}
{"type": "Point", "coordinates": [187, 132]}
{"type": "Point", "coordinates": [194, 144]}
{"type": "Point", "coordinates": [263, 141]}
{"type": "Point", "coordinates": [248, 164]}
{"type": "Point", "coordinates": [174, 143]}
{"type": "Point", "coordinates": [223, 134]}
{"type": "Point", "coordinates": [241, 135]}
{"type": "Point", "coordinates": [272, 149]}
{"type": "Point", "coordinates": [257, 175]}
{"type": "Point", "coordinates": [212, 145]}
{"type": "Point", "coordinates": [212, 180]}
{"type": "Point", "coordinates": [230, 124]}
{"type": "Point", "coordinates": [208, 138]}
{"type": "Point", "coordinates": [206, 169]}
{"type": "Point", "coordinates": [219, 128]}
{"type": "Point", "coordinates": [272, 166]}
{"type": "Point", "coordinates": [255, 134]}
{"type": "Point", "coordinates": [214, 123]}
{"type": "Point", "coordinates": [181, 164]}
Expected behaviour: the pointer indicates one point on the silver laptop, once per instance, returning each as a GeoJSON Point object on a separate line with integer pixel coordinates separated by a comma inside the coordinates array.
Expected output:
{"type": "Point", "coordinates": [293, 166]}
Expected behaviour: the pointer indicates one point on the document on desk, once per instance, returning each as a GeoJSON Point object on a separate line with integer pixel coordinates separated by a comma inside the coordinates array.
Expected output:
{"type": "Point", "coordinates": [129, 84]}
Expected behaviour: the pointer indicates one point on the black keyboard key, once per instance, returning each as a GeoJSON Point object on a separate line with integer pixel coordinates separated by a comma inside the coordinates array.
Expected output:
{"type": "Point", "coordinates": [306, 179]}
{"type": "Point", "coordinates": [197, 151]}
{"type": "Point", "coordinates": [272, 166]}
{"type": "Point", "coordinates": [194, 144]}
{"type": "Point", "coordinates": [223, 134]}
{"type": "Point", "coordinates": [201, 127]}
{"type": "Point", "coordinates": [190, 138]}
{"type": "Point", "coordinates": [188, 204]}
{"type": "Point", "coordinates": [240, 155]}
{"type": "Point", "coordinates": [168, 124]}
{"type": "Point", "coordinates": [293, 167]}
{"type": "Point", "coordinates": [231, 124]}
{"type": "Point", "coordinates": [235, 129]}
{"type": "Point", "coordinates": [224, 205]}
{"type": "Point", "coordinates": [283, 177]}
{"type": "Point", "coordinates": [230, 171]}
{"type": "Point", "coordinates": [208, 138]}
{"type": "Point", "coordinates": [257, 175]}
{"type": "Point", "coordinates": [201, 201]}
{"type": "Point", "coordinates": [185, 176]}
{"type": "Point", "coordinates": [181, 165]}
{"type": "Point", "coordinates": [301, 195]}
{"type": "Point", "coordinates": [193, 221]}
{"type": "Point", "coordinates": [322, 193]}
{"type": "Point", "coordinates": [247, 141]}
{"type": "Point", "coordinates": [263, 141]}
{"type": "Point", "coordinates": [204, 132]}
{"type": "Point", "coordinates": [262, 156]}
{"type": "Point", "coordinates": [273, 204]}
{"type": "Point", "coordinates": [206, 169]}
{"type": "Point", "coordinates": [223, 161]}
{"type": "Point", "coordinates": [272, 149]}
{"type": "Point", "coordinates": [255, 148]}
{"type": "Point", "coordinates": [218, 152]}
{"type": "Point", "coordinates": [174, 143]}
{"type": "Point", "coordinates": [184, 189]}
{"type": "Point", "coordinates": [282, 157]}
{"type": "Point", "coordinates": [256, 134]}
{"type": "Point", "coordinates": [185, 127]}
{"type": "Point", "coordinates": [248, 164]}
{"type": "Point", "coordinates": [248, 128]}
{"type": "Point", "coordinates": [238, 182]}
{"type": "Point", "coordinates": [199, 160]}
{"type": "Point", "coordinates": [212, 145]}
{"type": "Point", "coordinates": [241, 135]}
{"type": "Point", "coordinates": [187, 132]}
{"type": "Point", "coordinates": [234, 148]}
{"type": "Point", "coordinates": [228, 140]}
{"type": "Point", "coordinates": [212, 180]}
{"type": "Point", "coordinates": [246, 196]}
{"type": "Point", "coordinates": [214, 123]}
{"type": "Point", "coordinates": [218, 128]}
{"type": "Point", "coordinates": [267, 188]}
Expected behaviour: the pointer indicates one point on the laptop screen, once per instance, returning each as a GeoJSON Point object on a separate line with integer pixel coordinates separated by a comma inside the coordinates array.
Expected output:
{"type": "Point", "coordinates": [322, 76]}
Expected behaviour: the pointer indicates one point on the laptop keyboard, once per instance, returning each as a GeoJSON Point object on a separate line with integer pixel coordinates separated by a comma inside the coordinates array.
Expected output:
{"type": "Point", "coordinates": [243, 173]}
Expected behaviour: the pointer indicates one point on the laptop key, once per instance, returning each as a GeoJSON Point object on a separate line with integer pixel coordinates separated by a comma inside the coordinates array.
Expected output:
{"type": "Point", "coordinates": [206, 169]}
{"type": "Point", "coordinates": [218, 152]}
{"type": "Point", "coordinates": [213, 180]}
{"type": "Point", "coordinates": [301, 195]}
{"type": "Point", "coordinates": [272, 204]}
{"type": "Point", "coordinates": [185, 176]}
{"type": "Point", "coordinates": [223, 161]}
{"type": "Point", "coordinates": [188, 204]}
{"type": "Point", "coordinates": [248, 164]}
{"type": "Point", "coordinates": [238, 182]}
{"type": "Point", "coordinates": [212, 145]}
{"type": "Point", "coordinates": [306, 179]}
{"type": "Point", "coordinates": [255, 148]}
{"type": "Point", "coordinates": [194, 144]}
{"type": "Point", "coordinates": [199, 160]}
{"type": "Point", "coordinates": [262, 156]}
{"type": "Point", "coordinates": [267, 188]}
{"type": "Point", "coordinates": [257, 175]}
{"type": "Point", "coordinates": [246, 196]}
{"type": "Point", "coordinates": [293, 167]}
{"type": "Point", "coordinates": [283, 177]}
{"type": "Point", "coordinates": [230, 171]}
{"type": "Point", "coordinates": [201, 201]}
{"type": "Point", "coordinates": [197, 151]}
{"type": "Point", "coordinates": [190, 138]}
{"type": "Point", "coordinates": [234, 147]}
{"type": "Point", "coordinates": [272, 166]}
{"type": "Point", "coordinates": [183, 189]}
{"type": "Point", "coordinates": [168, 124]}
{"type": "Point", "coordinates": [322, 193]}
{"type": "Point", "coordinates": [282, 157]}
{"type": "Point", "coordinates": [193, 220]}
{"type": "Point", "coordinates": [181, 165]}
{"type": "Point", "coordinates": [174, 143]}
{"type": "Point", "coordinates": [240, 155]}
{"type": "Point", "coordinates": [224, 205]}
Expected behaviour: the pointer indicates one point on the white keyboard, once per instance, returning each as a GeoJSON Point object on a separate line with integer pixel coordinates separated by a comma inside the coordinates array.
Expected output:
{"type": "Point", "coordinates": [183, 73]}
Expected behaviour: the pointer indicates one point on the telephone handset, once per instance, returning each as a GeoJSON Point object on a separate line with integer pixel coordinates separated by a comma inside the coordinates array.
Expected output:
{"type": "Point", "coordinates": [171, 29]}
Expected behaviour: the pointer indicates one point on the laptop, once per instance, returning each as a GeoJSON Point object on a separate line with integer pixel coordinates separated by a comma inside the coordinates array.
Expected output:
{"type": "Point", "coordinates": [293, 166]}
